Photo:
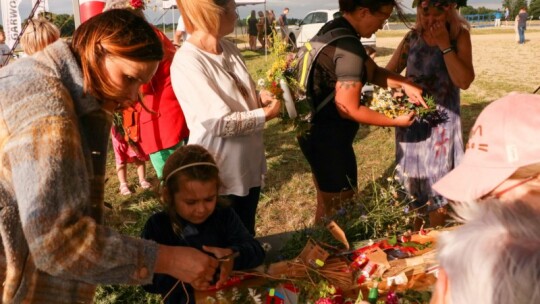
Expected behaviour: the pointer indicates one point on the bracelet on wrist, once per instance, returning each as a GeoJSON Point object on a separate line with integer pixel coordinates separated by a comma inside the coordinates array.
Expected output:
{"type": "Point", "coordinates": [447, 50]}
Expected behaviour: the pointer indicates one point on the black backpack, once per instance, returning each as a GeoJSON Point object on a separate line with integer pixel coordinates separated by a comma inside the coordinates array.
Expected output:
{"type": "Point", "coordinates": [305, 57]}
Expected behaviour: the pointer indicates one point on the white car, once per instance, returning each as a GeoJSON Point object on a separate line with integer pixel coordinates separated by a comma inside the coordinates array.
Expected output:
{"type": "Point", "coordinates": [313, 22]}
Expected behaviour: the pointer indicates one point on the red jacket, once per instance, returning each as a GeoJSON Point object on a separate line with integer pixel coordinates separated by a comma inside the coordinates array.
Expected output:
{"type": "Point", "coordinates": [167, 126]}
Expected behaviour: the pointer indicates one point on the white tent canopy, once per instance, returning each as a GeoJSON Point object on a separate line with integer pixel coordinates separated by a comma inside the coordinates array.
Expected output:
{"type": "Point", "coordinates": [249, 2]}
{"type": "Point", "coordinates": [172, 3]}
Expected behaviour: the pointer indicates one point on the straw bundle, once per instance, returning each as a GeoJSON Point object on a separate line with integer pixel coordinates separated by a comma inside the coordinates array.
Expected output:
{"type": "Point", "coordinates": [337, 271]}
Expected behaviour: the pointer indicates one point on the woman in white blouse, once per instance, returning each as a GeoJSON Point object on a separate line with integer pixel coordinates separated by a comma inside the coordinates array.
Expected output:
{"type": "Point", "coordinates": [223, 111]}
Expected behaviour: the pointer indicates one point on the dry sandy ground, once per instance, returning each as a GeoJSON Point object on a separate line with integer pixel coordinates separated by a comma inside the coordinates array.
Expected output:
{"type": "Point", "coordinates": [501, 65]}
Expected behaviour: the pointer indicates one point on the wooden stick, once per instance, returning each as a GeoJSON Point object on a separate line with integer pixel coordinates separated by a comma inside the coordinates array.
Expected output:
{"type": "Point", "coordinates": [338, 233]}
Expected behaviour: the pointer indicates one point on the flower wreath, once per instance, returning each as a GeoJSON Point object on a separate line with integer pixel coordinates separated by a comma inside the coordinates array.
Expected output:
{"type": "Point", "coordinates": [440, 4]}
{"type": "Point", "coordinates": [136, 4]}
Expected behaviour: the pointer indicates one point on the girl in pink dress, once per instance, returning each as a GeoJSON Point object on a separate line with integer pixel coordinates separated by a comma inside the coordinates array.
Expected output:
{"type": "Point", "coordinates": [127, 150]}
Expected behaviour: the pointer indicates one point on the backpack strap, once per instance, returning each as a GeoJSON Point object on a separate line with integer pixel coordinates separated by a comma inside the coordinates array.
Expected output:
{"type": "Point", "coordinates": [319, 43]}
{"type": "Point", "coordinates": [325, 101]}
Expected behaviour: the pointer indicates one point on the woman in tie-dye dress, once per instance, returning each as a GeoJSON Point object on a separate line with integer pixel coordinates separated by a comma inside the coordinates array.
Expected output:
{"type": "Point", "coordinates": [437, 55]}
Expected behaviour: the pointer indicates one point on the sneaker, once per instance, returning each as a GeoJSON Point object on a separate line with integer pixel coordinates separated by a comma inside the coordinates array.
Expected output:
{"type": "Point", "coordinates": [124, 189]}
{"type": "Point", "coordinates": [145, 184]}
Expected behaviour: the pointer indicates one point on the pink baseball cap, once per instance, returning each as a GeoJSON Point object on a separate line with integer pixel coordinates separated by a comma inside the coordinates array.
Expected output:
{"type": "Point", "coordinates": [505, 137]}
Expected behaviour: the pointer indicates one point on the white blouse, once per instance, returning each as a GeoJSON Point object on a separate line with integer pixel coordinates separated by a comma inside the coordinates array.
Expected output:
{"type": "Point", "coordinates": [223, 113]}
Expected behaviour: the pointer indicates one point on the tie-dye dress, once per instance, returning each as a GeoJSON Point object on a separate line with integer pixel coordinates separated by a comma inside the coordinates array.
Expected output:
{"type": "Point", "coordinates": [426, 151]}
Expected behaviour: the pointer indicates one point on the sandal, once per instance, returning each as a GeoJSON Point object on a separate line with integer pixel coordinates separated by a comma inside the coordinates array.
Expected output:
{"type": "Point", "coordinates": [145, 184]}
{"type": "Point", "coordinates": [124, 189]}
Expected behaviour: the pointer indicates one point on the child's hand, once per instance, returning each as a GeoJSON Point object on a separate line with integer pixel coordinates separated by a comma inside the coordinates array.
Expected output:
{"type": "Point", "coordinates": [225, 266]}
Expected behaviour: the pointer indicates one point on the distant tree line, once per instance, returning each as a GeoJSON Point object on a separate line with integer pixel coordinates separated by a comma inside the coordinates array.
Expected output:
{"type": "Point", "coordinates": [64, 22]}
{"type": "Point", "coordinates": [534, 8]}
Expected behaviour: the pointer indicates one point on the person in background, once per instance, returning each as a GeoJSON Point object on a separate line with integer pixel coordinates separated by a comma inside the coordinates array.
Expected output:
{"type": "Point", "coordinates": [340, 72]}
{"type": "Point", "coordinates": [284, 24]}
{"type": "Point", "coordinates": [252, 31]}
{"type": "Point", "coordinates": [127, 150]}
{"type": "Point", "coordinates": [180, 35]}
{"type": "Point", "coordinates": [516, 28]}
{"type": "Point", "coordinates": [195, 217]}
{"type": "Point", "coordinates": [261, 25]}
{"type": "Point", "coordinates": [502, 160]}
{"type": "Point", "coordinates": [272, 18]}
{"type": "Point", "coordinates": [386, 25]}
{"type": "Point", "coordinates": [270, 27]}
{"type": "Point", "coordinates": [506, 15]}
{"type": "Point", "coordinates": [39, 33]}
{"type": "Point", "coordinates": [437, 54]}
{"type": "Point", "coordinates": [56, 117]}
{"type": "Point", "coordinates": [522, 24]}
{"type": "Point", "coordinates": [497, 18]}
{"type": "Point", "coordinates": [4, 50]}
{"type": "Point", "coordinates": [224, 112]}
{"type": "Point", "coordinates": [502, 245]}
{"type": "Point", "coordinates": [161, 124]}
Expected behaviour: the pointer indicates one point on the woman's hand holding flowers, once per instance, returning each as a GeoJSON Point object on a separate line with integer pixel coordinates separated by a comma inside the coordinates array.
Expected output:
{"type": "Point", "coordinates": [271, 105]}
{"type": "Point", "coordinates": [405, 120]}
{"type": "Point", "coordinates": [394, 104]}
{"type": "Point", "coordinates": [414, 92]}
{"type": "Point", "coordinates": [266, 97]}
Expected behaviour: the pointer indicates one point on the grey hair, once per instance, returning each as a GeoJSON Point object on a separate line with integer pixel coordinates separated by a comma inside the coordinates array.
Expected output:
{"type": "Point", "coordinates": [494, 257]}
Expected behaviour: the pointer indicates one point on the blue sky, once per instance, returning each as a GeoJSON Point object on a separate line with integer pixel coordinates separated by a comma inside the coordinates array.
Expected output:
{"type": "Point", "coordinates": [298, 8]}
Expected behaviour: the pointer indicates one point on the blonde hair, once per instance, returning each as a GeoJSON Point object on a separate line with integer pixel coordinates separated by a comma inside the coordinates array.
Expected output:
{"type": "Point", "coordinates": [39, 33]}
{"type": "Point", "coordinates": [454, 19]}
{"type": "Point", "coordinates": [202, 15]}
{"type": "Point", "coordinates": [526, 171]}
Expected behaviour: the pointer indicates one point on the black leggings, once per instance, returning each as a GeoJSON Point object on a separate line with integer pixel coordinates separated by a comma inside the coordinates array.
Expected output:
{"type": "Point", "coordinates": [246, 207]}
